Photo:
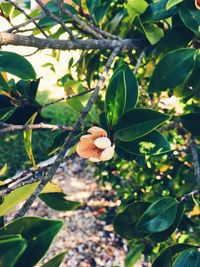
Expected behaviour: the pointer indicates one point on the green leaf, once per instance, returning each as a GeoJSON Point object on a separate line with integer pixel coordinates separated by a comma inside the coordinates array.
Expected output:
{"type": "Point", "coordinates": [157, 11]}
{"type": "Point", "coordinates": [165, 257]}
{"type": "Point", "coordinates": [137, 123]}
{"type": "Point", "coordinates": [123, 154]}
{"type": "Point", "coordinates": [153, 143]}
{"type": "Point", "coordinates": [164, 235]}
{"type": "Point", "coordinates": [159, 216]}
{"type": "Point", "coordinates": [133, 255]}
{"type": "Point", "coordinates": [78, 103]}
{"type": "Point", "coordinates": [131, 87]}
{"type": "Point", "coordinates": [17, 65]}
{"type": "Point", "coordinates": [173, 69]}
{"type": "Point", "coordinates": [55, 261]}
{"type": "Point", "coordinates": [15, 197]}
{"type": "Point", "coordinates": [28, 140]}
{"type": "Point", "coordinates": [188, 258]}
{"type": "Point", "coordinates": [28, 89]}
{"type": "Point", "coordinates": [58, 201]}
{"type": "Point", "coordinates": [115, 98]}
{"type": "Point", "coordinates": [11, 248]}
{"type": "Point", "coordinates": [121, 94]}
{"type": "Point", "coordinates": [6, 113]}
{"type": "Point", "coordinates": [22, 193]}
{"type": "Point", "coordinates": [172, 3]}
{"type": "Point", "coordinates": [3, 84]}
{"type": "Point", "coordinates": [39, 234]}
{"type": "Point", "coordinates": [136, 7]}
{"type": "Point", "coordinates": [92, 5]}
{"type": "Point", "coordinates": [125, 222]}
{"type": "Point", "coordinates": [189, 121]}
{"type": "Point", "coordinates": [190, 16]}
{"type": "Point", "coordinates": [152, 31]}
{"type": "Point", "coordinates": [59, 141]}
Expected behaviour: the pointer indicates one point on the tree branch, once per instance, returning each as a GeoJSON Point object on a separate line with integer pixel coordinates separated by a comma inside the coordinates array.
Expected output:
{"type": "Point", "coordinates": [30, 41]}
{"type": "Point", "coordinates": [67, 97]}
{"type": "Point", "coordinates": [28, 17]}
{"type": "Point", "coordinates": [54, 17]}
{"type": "Point", "coordinates": [69, 138]}
{"type": "Point", "coordinates": [16, 27]}
{"type": "Point", "coordinates": [8, 128]}
{"type": "Point", "coordinates": [195, 160]}
{"type": "Point", "coordinates": [84, 26]}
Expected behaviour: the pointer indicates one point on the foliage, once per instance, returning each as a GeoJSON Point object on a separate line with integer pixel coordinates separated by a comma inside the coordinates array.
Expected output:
{"type": "Point", "coordinates": [149, 109]}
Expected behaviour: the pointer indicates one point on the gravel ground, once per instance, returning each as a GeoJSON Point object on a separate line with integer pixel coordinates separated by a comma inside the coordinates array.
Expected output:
{"type": "Point", "coordinates": [89, 240]}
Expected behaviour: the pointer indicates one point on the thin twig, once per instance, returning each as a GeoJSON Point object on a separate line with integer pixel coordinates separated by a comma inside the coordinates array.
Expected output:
{"type": "Point", "coordinates": [54, 17]}
{"type": "Point", "coordinates": [139, 61]}
{"type": "Point", "coordinates": [195, 160]}
{"type": "Point", "coordinates": [69, 138]}
{"type": "Point", "coordinates": [67, 98]}
{"type": "Point", "coordinates": [84, 26]}
{"type": "Point", "coordinates": [189, 195]}
{"type": "Point", "coordinates": [16, 27]}
{"type": "Point", "coordinates": [15, 128]}
{"type": "Point", "coordinates": [28, 17]}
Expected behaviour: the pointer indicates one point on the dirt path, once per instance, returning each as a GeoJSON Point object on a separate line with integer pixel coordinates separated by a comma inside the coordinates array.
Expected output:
{"type": "Point", "coordinates": [88, 239]}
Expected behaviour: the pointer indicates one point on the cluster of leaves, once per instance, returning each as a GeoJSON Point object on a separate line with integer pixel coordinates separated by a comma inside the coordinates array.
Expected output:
{"type": "Point", "coordinates": [21, 237]}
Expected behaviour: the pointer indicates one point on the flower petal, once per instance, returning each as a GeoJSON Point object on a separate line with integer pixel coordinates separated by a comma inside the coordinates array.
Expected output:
{"type": "Point", "coordinates": [97, 131]}
{"type": "Point", "coordinates": [87, 137]}
{"type": "Point", "coordinates": [94, 159]}
{"type": "Point", "coordinates": [102, 142]}
{"type": "Point", "coordinates": [107, 154]}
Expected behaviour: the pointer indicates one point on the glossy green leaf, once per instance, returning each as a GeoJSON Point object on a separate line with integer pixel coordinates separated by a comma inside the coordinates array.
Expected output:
{"type": "Point", "coordinates": [159, 216]}
{"type": "Point", "coordinates": [165, 258]}
{"type": "Point", "coordinates": [190, 16]}
{"type": "Point", "coordinates": [15, 197]}
{"type": "Point", "coordinates": [59, 141]}
{"type": "Point", "coordinates": [123, 154]}
{"type": "Point", "coordinates": [92, 5]}
{"type": "Point", "coordinates": [137, 123]}
{"type": "Point", "coordinates": [194, 80]}
{"type": "Point", "coordinates": [22, 193]}
{"type": "Point", "coordinates": [188, 258]}
{"type": "Point", "coordinates": [121, 94]}
{"type": "Point", "coordinates": [131, 87]}
{"type": "Point", "coordinates": [17, 65]}
{"type": "Point", "coordinates": [157, 11]}
{"type": "Point", "coordinates": [164, 235]}
{"type": "Point", "coordinates": [39, 234]}
{"type": "Point", "coordinates": [28, 140]}
{"type": "Point", "coordinates": [190, 122]}
{"type": "Point", "coordinates": [136, 7]}
{"type": "Point", "coordinates": [58, 201]}
{"type": "Point", "coordinates": [153, 143]}
{"type": "Point", "coordinates": [125, 222]}
{"type": "Point", "coordinates": [78, 103]}
{"type": "Point", "coordinates": [55, 261]}
{"type": "Point", "coordinates": [172, 70]}
{"type": "Point", "coordinates": [3, 84]}
{"type": "Point", "coordinates": [6, 113]}
{"type": "Point", "coordinates": [10, 250]}
{"type": "Point", "coordinates": [28, 89]}
{"type": "Point", "coordinates": [152, 31]}
{"type": "Point", "coordinates": [133, 255]}
{"type": "Point", "coordinates": [172, 3]}
{"type": "Point", "coordinates": [115, 98]}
